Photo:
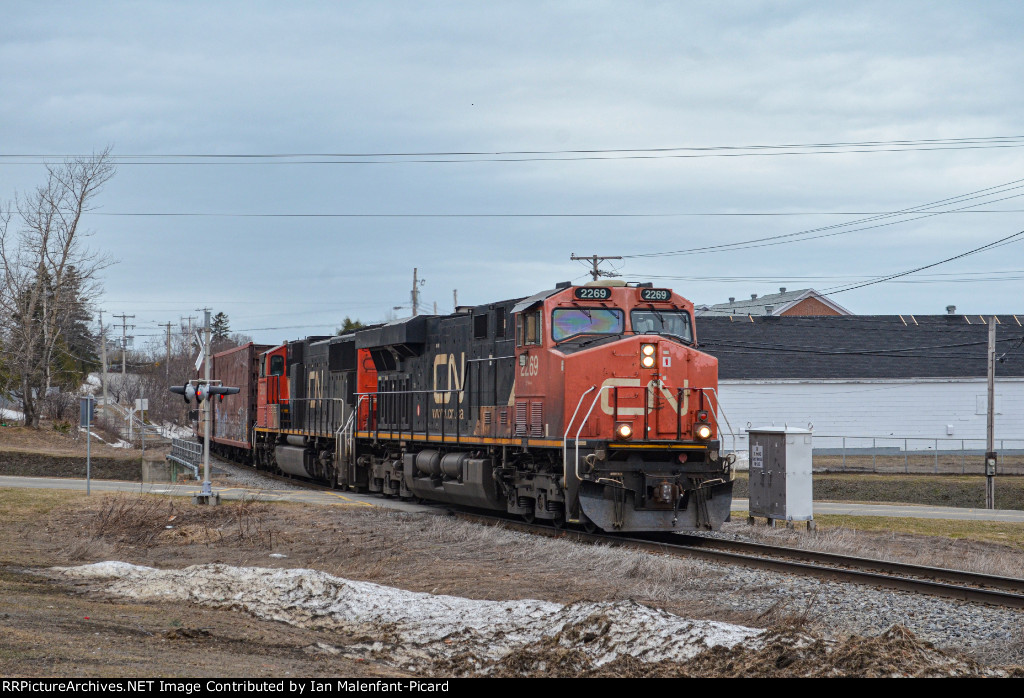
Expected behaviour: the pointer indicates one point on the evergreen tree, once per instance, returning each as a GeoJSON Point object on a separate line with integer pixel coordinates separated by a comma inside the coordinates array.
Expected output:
{"type": "Point", "coordinates": [349, 325]}
{"type": "Point", "coordinates": [219, 328]}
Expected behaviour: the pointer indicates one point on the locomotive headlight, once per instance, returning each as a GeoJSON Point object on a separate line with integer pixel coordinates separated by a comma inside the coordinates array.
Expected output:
{"type": "Point", "coordinates": [703, 431]}
{"type": "Point", "coordinates": [647, 357]}
{"type": "Point", "coordinates": [623, 431]}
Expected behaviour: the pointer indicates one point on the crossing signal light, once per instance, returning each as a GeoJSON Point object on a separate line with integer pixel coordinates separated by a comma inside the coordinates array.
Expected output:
{"type": "Point", "coordinates": [221, 390]}
{"type": "Point", "coordinates": [202, 391]}
{"type": "Point", "coordinates": [188, 391]}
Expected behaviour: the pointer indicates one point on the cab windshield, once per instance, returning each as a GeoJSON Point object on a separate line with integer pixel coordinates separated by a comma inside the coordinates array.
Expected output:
{"type": "Point", "coordinates": [572, 322]}
{"type": "Point", "coordinates": [667, 322]}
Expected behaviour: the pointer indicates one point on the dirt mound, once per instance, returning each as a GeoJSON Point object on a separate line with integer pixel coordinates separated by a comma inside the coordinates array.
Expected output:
{"type": "Point", "coordinates": [786, 653]}
{"type": "Point", "coordinates": [781, 652]}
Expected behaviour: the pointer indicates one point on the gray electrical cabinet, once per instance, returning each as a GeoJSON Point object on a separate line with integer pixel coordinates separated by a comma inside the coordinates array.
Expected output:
{"type": "Point", "coordinates": [780, 475]}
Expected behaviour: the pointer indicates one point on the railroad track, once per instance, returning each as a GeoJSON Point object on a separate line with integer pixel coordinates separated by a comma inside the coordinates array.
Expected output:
{"type": "Point", "coordinates": [934, 581]}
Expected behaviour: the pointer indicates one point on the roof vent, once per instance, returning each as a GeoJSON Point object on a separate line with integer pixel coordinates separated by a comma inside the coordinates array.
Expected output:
{"type": "Point", "coordinates": [950, 309]}
{"type": "Point", "coordinates": [753, 296]}
{"type": "Point", "coordinates": [732, 299]}
{"type": "Point", "coordinates": [782, 289]}
{"type": "Point", "coordinates": [768, 309]}
{"type": "Point", "coordinates": [563, 284]}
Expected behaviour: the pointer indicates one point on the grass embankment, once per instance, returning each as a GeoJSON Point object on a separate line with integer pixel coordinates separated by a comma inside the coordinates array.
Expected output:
{"type": "Point", "coordinates": [967, 491]}
{"type": "Point", "coordinates": [18, 504]}
{"type": "Point", "coordinates": [935, 490]}
{"type": "Point", "coordinates": [984, 531]}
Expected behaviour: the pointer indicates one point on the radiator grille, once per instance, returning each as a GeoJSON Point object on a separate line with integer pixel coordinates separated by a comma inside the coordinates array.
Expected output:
{"type": "Point", "coordinates": [536, 419]}
{"type": "Point", "coordinates": [520, 419]}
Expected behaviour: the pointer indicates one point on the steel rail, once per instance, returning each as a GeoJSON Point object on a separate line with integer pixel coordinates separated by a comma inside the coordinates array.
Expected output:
{"type": "Point", "coordinates": [935, 573]}
{"type": "Point", "coordinates": [989, 589]}
{"type": "Point", "coordinates": [953, 591]}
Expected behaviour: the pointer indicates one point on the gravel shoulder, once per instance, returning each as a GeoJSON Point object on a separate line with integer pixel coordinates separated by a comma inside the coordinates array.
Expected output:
{"type": "Point", "coordinates": [52, 628]}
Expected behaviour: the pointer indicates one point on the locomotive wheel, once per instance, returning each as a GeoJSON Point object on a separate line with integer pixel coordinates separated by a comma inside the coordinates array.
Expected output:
{"type": "Point", "coordinates": [559, 520]}
{"type": "Point", "coordinates": [529, 518]}
{"type": "Point", "coordinates": [588, 525]}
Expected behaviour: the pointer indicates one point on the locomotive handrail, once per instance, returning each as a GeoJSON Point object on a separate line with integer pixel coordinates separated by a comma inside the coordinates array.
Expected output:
{"type": "Point", "coordinates": [320, 418]}
{"type": "Point", "coordinates": [576, 465]}
{"type": "Point", "coordinates": [458, 425]}
{"type": "Point", "coordinates": [714, 413]}
{"type": "Point", "coordinates": [576, 439]}
{"type": "Point", "coordinates": [565, 437]}
{"type": "Point", "coordinates": [350, 422]}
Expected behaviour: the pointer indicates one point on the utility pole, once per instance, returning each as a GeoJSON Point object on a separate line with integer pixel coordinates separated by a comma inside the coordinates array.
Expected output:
{"type": "Point", "coordinates": [206, 496]}
{"type": "Point", "coordinates": [455, 300]}
{"type": "Point", "coordinates": [990, 442]}
{"type": "Point", "coordinates": [124, 341]}
{"type": "Point", "coordinates": [416, 283]}
{"type": "Point", "coordinates": [167, 363]}
{"type": "Point", "coordinates": [124, 363]}
{"type": "Point", "coordinates": [595, 260]}
{"type": "Point", "coordinates": [103, 355]}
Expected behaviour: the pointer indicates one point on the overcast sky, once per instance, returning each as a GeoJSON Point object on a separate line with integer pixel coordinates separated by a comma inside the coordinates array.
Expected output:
{"type": "Point", "coordinates": [673, 94]}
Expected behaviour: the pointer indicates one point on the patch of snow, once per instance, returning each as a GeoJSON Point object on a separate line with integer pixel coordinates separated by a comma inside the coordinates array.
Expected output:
{"type": "Point", "coordinates": [7, 413]}
{"type": "Point", "coordinates": [415, 628]}
{"type": "Point", "coordinates": [742, 461]}
{"type": "Point", "coordinates": [173, 431]}
{"type": "Point", "coordinates": [120, 443]}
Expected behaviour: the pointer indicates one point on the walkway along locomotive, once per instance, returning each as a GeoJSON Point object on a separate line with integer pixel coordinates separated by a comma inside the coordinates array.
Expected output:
{"type": "Point", "coordinates": [587, 404]}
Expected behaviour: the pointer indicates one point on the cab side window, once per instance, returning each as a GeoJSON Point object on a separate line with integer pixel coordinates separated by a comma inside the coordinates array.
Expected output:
{"type": "Point", "coordinates": [528, 328]}
{"type": "Point", "coordinates": [277, 365]}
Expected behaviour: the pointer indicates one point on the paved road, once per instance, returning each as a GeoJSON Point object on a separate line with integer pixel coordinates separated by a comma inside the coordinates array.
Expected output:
{"type": "Point", "coordinates": [328, 498]}
{"type": "Point", "coordinates": [913, 511]}
{"type": "Point", "coordinates": [322, 497]}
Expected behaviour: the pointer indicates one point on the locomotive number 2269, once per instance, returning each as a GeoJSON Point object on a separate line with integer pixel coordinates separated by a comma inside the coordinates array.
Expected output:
{"type": "Point", "coordinates": [531, 367]}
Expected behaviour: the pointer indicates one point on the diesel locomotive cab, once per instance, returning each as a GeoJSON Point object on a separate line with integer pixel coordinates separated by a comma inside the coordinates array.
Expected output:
{"type": "Point", "coordinates": [616, 367]}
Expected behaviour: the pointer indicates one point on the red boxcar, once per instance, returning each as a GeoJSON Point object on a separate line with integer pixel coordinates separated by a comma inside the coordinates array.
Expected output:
{"type": "Point", "coordinates": [231, 431]}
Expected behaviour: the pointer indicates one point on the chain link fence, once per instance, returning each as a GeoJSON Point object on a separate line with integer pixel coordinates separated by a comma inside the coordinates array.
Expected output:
{"type": "Point", "coordinates": [905, 454]}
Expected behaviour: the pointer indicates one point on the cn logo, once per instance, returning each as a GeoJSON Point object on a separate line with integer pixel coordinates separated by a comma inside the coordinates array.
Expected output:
{"type": "Point", "coordinates": [627, 411]}
{"type": "Point", "coordinates": [455, 378]}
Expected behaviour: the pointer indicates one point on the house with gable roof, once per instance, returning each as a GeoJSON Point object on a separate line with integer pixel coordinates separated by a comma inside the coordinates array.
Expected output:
{"type": "Point", "coordinates": [785, 303]}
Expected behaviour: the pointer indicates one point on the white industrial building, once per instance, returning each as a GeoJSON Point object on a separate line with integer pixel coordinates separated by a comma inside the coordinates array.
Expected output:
{"type": "Point", "coordinates": [903, 382]}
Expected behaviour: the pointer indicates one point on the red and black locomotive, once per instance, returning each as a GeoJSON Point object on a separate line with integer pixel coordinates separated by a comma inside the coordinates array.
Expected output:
{"type": "Point", "coordinates": [587, 404]}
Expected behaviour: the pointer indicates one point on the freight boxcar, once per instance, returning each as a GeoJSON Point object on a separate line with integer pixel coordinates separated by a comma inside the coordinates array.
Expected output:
{"type": "Point", "coordinates": [234, 415]}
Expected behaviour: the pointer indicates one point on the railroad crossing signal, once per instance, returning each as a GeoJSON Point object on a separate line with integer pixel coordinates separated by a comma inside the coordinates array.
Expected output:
{"type": "Point", "coordinates": [200, 391]}
{"type": "Point", "coordinates": [188, 391]}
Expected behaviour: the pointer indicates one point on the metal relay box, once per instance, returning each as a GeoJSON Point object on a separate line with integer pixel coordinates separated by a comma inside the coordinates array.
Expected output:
{"type": "Point", "coordinates": [780, 474]}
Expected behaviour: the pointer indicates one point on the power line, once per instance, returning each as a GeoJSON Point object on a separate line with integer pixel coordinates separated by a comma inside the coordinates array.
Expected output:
{"type": "Point", "coordinates": [710, 214]}
{"type": "Point", "coordinates": [800, 236]}
{"type": "Point", "coordinates": [951, 277]}
{"type": "Point", "coordinates": [545, 155]}
{"type": "Point", "coordinates": [998, 243]}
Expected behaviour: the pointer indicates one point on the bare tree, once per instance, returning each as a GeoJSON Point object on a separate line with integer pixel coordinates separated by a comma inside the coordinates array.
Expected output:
{"type": "Point", "coordinates": [48, 273]}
